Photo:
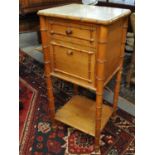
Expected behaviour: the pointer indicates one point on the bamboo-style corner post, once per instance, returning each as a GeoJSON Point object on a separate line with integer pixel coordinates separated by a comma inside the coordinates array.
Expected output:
{"type": "Point", "coordinates": [46, 53]}
{"type": "Point", "coordinates": [100, 70]}
{"type": "Point", "coordinates": [119, 73]}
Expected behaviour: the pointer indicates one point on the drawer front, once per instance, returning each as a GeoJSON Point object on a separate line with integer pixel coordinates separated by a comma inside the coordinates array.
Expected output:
{"type": "Point", "coordinates": [72, 62]}
{"type": "Point", "coordinates": [71, 32]}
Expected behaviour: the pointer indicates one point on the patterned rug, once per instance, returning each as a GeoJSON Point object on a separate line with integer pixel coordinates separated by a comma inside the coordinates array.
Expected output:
{"type": "Point", "coordinates": [41, 137]}
{"type": "Point", "coordinates": [28, 96]}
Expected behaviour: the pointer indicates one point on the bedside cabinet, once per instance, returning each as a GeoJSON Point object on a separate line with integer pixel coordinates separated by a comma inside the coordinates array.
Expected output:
{"type": "Point", "coordinates": [84, 45]}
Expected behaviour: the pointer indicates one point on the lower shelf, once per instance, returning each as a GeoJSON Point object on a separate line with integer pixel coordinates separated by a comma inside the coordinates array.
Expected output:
{"type": "Point", "coordinates": [79, 112]}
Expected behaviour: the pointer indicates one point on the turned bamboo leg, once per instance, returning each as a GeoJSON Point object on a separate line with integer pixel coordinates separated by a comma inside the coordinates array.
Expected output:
{"type": "Point", "coordinates": [117, 89]}
{"type": "Point", "coordinates": [75, 89]}
{"type": "Point", "coordinates": [98, 120]}
{"type": "Point", "coordinates": [102, 47]}
{"type": "Point", "coordinates": [50, 96]}
{"type": "Point", "coordinates": [47, 66]}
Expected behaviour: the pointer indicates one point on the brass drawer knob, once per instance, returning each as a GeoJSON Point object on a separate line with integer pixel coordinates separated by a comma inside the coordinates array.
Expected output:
{"type": "Point", "coordinates": [69, 32]}
{"type": "Point", "coordinates": [69, 52]}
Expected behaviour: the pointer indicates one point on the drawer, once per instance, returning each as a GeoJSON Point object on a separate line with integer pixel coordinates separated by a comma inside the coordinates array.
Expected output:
{"type": "Point", "coordinates": [73, 32]}
{"type": "Point", "coordinates": [72, 62]}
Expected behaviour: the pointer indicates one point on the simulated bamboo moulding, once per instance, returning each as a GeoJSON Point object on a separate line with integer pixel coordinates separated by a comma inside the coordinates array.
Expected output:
{"type": "Point", "coordinates": [84, 45]}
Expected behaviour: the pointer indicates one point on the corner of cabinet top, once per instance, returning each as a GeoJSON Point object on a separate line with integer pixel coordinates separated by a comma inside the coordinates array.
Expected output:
{"type": "Point", "coordinates": [87, 13]}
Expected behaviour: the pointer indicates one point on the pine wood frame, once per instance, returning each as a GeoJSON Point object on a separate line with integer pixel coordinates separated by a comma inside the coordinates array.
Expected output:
{"type": "Point", "coordinates": [100, 70]}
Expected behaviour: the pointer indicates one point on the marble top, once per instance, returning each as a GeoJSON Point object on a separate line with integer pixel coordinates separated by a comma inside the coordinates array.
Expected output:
{"type": "Point", "coordinates": [89, 13]}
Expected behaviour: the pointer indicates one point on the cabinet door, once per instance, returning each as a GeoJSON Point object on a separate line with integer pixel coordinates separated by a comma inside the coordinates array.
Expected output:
{"type": "Point", "coordinates": [72, 62]}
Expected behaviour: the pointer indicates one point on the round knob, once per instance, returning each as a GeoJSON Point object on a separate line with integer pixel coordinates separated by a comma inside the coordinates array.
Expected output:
{"type": "Point", "coordinates": [69, 32]}
{"type": "Point", "coordinates": [69, 52]}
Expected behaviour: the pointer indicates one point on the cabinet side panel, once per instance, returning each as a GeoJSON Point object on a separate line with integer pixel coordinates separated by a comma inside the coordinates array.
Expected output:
{"type": "Point", "coordinates": [113, 49]}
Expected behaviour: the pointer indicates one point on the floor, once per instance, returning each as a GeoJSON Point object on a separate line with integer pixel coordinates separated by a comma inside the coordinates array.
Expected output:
{"type": "Point", "coordinates": [28, 42]}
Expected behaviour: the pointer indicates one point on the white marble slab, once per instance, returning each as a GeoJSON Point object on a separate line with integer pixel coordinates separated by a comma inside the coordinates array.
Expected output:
{"type": "Point", "coordinates": [95, 14]}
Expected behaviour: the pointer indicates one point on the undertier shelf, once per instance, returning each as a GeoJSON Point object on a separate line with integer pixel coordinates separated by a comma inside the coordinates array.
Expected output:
{"type": "Point", "coordinates": [79, 112]}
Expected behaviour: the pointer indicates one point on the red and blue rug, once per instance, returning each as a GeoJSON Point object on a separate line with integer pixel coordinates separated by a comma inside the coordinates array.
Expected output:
{"type": "Point", "coordinates": [38, 136]}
